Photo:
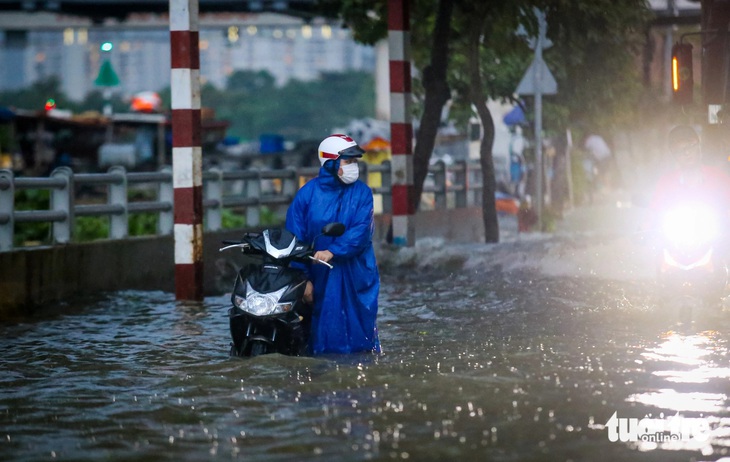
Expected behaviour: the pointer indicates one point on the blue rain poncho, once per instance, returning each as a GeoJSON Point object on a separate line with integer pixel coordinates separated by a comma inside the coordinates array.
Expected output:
{"type": "Point", "coordinates": [346, 296]}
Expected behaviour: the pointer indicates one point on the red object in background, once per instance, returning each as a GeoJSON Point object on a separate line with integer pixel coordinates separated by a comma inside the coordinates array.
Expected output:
{"type": "Point", "coordinates": [508, 205]}
{"type": "Point", "coordinates": [146, 101]}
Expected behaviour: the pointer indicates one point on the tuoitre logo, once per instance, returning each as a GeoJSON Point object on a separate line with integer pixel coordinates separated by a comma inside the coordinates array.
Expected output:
{"type": "Point", "coordinates": [672, 428]}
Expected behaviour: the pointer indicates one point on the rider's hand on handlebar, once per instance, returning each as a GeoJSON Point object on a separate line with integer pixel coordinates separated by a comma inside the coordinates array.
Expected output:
{"type": "Point", "coordinates": [324, 255]}
{"type": "Point", "coordinates": [308, 296]}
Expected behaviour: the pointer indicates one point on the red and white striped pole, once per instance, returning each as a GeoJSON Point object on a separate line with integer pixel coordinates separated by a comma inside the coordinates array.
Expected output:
{"type": "Point", "coordinates": [186, 149]}
{"type": "Point", "coordinates": [401, 130]}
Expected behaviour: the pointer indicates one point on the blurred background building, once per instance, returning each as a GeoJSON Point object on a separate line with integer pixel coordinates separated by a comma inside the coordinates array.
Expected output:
{"type": "Point", "coordinates": [36, 46]}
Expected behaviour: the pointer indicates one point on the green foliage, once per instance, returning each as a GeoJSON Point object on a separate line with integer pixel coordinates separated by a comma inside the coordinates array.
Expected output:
{"type": "Point", "coordinates": [34, 97]}
{"type": "Point", "coordinates": [269, 217]}
{"type": "Point", "coordinates": [250, 82]}
{"type": "Point", "coordinates": [594, 60]}
{"type": "Point", "coordinates": [98, 227]}
{"type": "Point", "coordinates": [232, 220]}
{"type": "Point", "coordinates": [91, 228]}
{"type": "Point", "coordinates": [32, 199]}
{"type": "Point", "coordinates": [593, 56]}
{"type": "Point", "coordinates": [95, 101]}
{"type": "Point", "coordinates": [298, 110]}
{"type": "Point", "coordinates": [8, 142]}
{"type": "Point", "coordinates": [143, 224]}
{"type": "Point", "coordinates": [366, 18]}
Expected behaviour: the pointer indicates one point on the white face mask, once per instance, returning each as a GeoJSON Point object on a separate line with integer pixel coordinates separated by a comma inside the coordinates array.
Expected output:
{"type": "Point", "coordinates": [350, 173]}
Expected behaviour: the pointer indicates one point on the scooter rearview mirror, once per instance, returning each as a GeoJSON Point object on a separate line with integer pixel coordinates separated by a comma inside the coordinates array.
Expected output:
{"type": "Point", "coordinates": [333, 229]}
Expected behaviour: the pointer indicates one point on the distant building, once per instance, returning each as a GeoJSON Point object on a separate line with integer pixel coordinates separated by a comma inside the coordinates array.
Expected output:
{"type": "Point", "coordinates": [36, 46]}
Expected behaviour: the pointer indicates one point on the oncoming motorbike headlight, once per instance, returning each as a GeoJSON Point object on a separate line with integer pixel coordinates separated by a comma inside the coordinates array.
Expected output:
{"type": "Point", "coordinates": [259, 304]}
{"type": "Point", "coordinates": [691, 225]}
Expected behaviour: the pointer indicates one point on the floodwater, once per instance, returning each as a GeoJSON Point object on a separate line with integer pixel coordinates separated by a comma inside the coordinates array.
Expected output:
{"type": "Point", "coordinates": [517, 352]}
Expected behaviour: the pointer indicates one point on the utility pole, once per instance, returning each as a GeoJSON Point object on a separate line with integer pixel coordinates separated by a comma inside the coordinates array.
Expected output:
{"type": "Point", "coordinates": [187, 175]}
{"type": "Point", "coordinates": [542, 29]}
{"type": "Point", "coordinates": [538, 81]}
{"type": "Point", "coordinates": [401, 131]}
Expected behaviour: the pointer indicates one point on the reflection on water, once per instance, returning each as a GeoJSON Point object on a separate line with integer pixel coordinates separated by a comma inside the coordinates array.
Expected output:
{"type": "Point", "coordinates": [693, 385]}
{"type": "Point", "coordinates": [476, 367]}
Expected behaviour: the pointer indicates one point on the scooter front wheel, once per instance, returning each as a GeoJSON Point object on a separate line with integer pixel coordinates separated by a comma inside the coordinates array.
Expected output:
{"type": "Point", "coordinates": [258, 348]}
{"type": "Point", "coordinates": [234, 351]}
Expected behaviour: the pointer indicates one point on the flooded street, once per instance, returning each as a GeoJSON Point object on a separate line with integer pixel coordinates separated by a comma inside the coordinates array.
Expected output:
{"type": "Point", "coordinates": [518, 352]}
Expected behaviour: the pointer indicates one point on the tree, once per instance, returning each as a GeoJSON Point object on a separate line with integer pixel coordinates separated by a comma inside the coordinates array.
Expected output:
{"type": "Point", "coordinates": [34, 97]}
{"type": "Point", "coordinates": [297, 110]}
{"type": "Point", "coordinates": [486, 36]}
{"type": "Point", "coordinates": [250, 82]}
{"type": "Point", "coordinates": [436, 94]}
{"type": "Point", "coordinates": [430, 35]}
{"type": "Point", "coordinates": [593, 57]}
{"type": "Point", "coordinates": [593, 60]}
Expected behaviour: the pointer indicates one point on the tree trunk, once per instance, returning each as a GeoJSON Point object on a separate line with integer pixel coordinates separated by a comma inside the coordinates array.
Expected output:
{"type": "Point", "coordinates": [489, 206]}
{"type": "Point", "coordinates": [437, 93]}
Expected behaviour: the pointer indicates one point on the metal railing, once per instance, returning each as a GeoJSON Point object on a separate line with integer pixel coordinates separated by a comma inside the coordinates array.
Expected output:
{"type": "Point", "coordinates": [458, 185]}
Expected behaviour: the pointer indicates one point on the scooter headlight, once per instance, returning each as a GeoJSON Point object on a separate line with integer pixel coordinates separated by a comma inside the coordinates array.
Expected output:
{"type": "Point", "coordinates": [259, 304]}
{"type": "Point", "coordinates": [689, 226]}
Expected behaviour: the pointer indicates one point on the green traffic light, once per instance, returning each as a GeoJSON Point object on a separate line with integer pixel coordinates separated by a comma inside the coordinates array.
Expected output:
{"type": "Point", "coordinates": [107, 46]}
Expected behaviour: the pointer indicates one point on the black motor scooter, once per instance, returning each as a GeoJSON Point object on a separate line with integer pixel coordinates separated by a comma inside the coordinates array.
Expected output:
{"type": "Point", "coordinates": [268, 313]}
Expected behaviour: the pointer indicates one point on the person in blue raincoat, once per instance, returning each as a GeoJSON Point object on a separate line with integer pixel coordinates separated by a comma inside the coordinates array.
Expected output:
{"type": "Point", "coordinates": [345, 298]}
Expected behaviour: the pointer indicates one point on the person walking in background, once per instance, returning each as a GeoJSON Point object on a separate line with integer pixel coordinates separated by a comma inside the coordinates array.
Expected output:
{"type": "Point", "coordinates": [601, 159]}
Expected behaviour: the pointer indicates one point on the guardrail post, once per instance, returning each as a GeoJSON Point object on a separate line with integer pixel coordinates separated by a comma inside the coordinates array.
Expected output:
{"type": "Point", "coordinates": [289, 188]}
{"type": "Point", "coordinates": [290, 183]}
{"type": "Point", "coordinates": [461, 178]}
{"type": "Point", "coordinates": [439, 179]}
{"type": "Point", "coordinates": [213, 191]}
{"type": "Point", "coordinates": [166, 193]}
{"type": "Point", "coordinates": [62, 200]}
{"type": "Point", "coordinates": [253, 190]}
{"type": "Point", "coordinates": [7, 205]}
{"type": "Point", "coordinates": [119, 228]}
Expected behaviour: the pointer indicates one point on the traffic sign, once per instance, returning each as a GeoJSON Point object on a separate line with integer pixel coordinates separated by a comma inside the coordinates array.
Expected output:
{"type": "Point", "coordinates": [547, 83]}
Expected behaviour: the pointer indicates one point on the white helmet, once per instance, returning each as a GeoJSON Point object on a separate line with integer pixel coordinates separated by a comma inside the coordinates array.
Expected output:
{"type": "Point", "coordinates": [338, 145]}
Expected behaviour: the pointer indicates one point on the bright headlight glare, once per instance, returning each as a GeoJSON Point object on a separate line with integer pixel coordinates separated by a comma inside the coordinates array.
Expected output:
{"type": "Point", "coordinates": [690, 225]}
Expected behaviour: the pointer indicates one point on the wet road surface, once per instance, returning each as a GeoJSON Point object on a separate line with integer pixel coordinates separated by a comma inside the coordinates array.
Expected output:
{"type": "Point", "coordinates": [517, 352]}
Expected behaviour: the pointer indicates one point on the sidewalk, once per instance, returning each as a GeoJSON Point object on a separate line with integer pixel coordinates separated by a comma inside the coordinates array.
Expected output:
{"type": "Point", "coordinates": [598, 240]}
{"type": "Point", "coordinates": [612, 213]}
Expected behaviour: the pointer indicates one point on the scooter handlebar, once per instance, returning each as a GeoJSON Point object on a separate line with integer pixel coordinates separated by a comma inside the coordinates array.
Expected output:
{"type": "Point", "coordinates": [321, 261]}
{"type": "Point", "coordinates": [234, 245]}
